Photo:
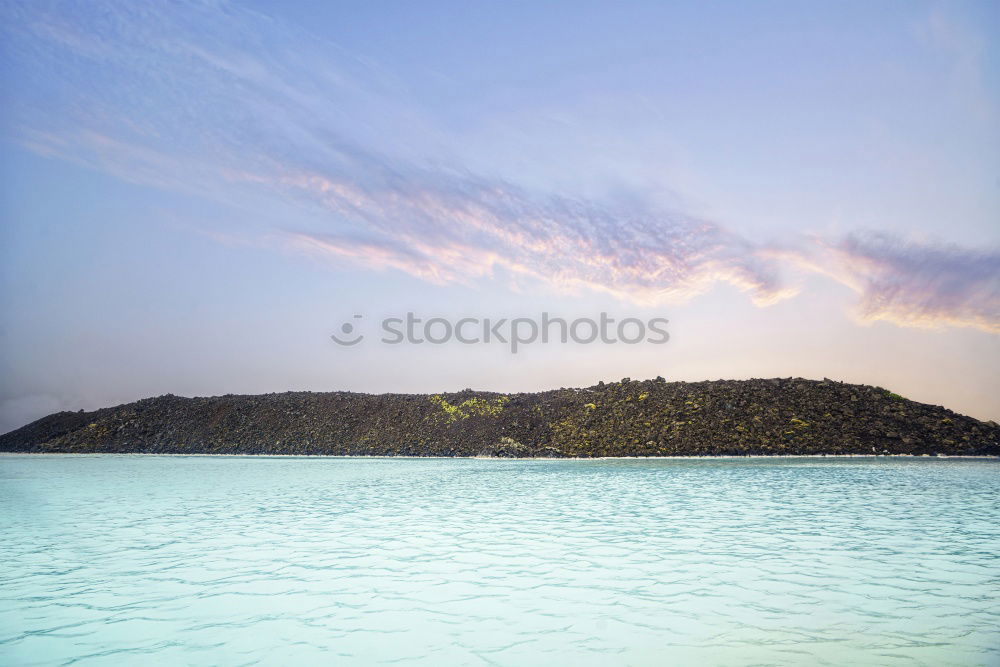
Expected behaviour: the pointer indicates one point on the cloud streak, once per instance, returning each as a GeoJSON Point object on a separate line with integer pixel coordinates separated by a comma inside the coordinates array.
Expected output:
{"type": "Point", "coordinates": [918, 285]}
{"type": "Point", "coordinates": [448, 228]}
{"type": "Point", "coordinates": [220, 101]}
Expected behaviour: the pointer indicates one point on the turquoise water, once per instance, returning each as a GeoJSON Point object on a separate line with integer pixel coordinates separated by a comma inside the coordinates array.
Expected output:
{"type": "Point", "coordinates": [219, 560]}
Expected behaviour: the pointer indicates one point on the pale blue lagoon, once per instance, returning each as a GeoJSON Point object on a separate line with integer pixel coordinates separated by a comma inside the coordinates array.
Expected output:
{"type": "Point", "coordinates": [111, 560]}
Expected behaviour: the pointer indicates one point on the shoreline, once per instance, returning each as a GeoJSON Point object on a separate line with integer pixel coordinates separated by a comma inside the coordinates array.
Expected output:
{"type": "Point", "coordinates": [498, 459]}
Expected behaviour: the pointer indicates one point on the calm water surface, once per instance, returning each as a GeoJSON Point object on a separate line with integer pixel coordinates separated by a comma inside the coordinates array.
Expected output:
{"type": "Point", "coordinates": [216, 560]}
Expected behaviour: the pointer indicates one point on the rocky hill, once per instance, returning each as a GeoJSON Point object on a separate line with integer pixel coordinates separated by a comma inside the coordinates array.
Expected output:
{"type": "Point", "coordinates": [627, 418]}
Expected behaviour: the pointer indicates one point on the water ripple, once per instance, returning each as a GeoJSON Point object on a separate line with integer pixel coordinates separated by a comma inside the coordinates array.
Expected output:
{"type": "Point", "coordinates": [206, 560]}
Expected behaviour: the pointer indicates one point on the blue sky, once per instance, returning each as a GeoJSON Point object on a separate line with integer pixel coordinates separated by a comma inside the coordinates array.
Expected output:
{"type": "Point", "coordinates": [196, 194]}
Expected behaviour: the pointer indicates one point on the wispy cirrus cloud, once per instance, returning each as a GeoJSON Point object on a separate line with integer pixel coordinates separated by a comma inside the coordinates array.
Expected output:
{"type": "Point", "coordinates": [455, 228]}
{"type": "Point", "coordinates": [221, 101]}
{"type": "Point", "coordinates": [917, 284]}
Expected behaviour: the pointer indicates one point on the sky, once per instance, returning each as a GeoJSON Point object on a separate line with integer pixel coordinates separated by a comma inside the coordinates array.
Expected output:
{"type": "Point", "coordinates": [195, 195]}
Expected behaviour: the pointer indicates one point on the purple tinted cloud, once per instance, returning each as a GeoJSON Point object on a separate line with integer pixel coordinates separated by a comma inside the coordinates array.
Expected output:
{"type": "Point", "coordinates": [220, 101]}
{"type": "Point", "coordinates": [921, 285]}
{"type": "Point", "coordinates": [446, 227]}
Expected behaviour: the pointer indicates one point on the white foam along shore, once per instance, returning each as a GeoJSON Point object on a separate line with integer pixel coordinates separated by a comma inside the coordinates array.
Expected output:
{"type": "Point", "coordinates": [920, 457]}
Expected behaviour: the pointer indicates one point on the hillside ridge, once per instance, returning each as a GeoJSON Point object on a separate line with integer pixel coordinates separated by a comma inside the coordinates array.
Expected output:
{"type": "Point", "coordinates": [777, 416]}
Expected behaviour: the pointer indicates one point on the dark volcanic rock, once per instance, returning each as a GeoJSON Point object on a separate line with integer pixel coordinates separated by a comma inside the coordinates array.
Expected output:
{"type": "Point", "coordinates": [627, 418]}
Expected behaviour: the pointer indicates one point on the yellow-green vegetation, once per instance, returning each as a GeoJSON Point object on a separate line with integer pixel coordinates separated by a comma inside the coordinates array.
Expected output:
{"type": "Point", "coordinates": [570, 437]}
{"type": "Point", "coordinates": [472, 407]}
{"type": "Point", "coordinates": [894, 396]}
{"type": "Point", "coordinates": [774, 416]}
